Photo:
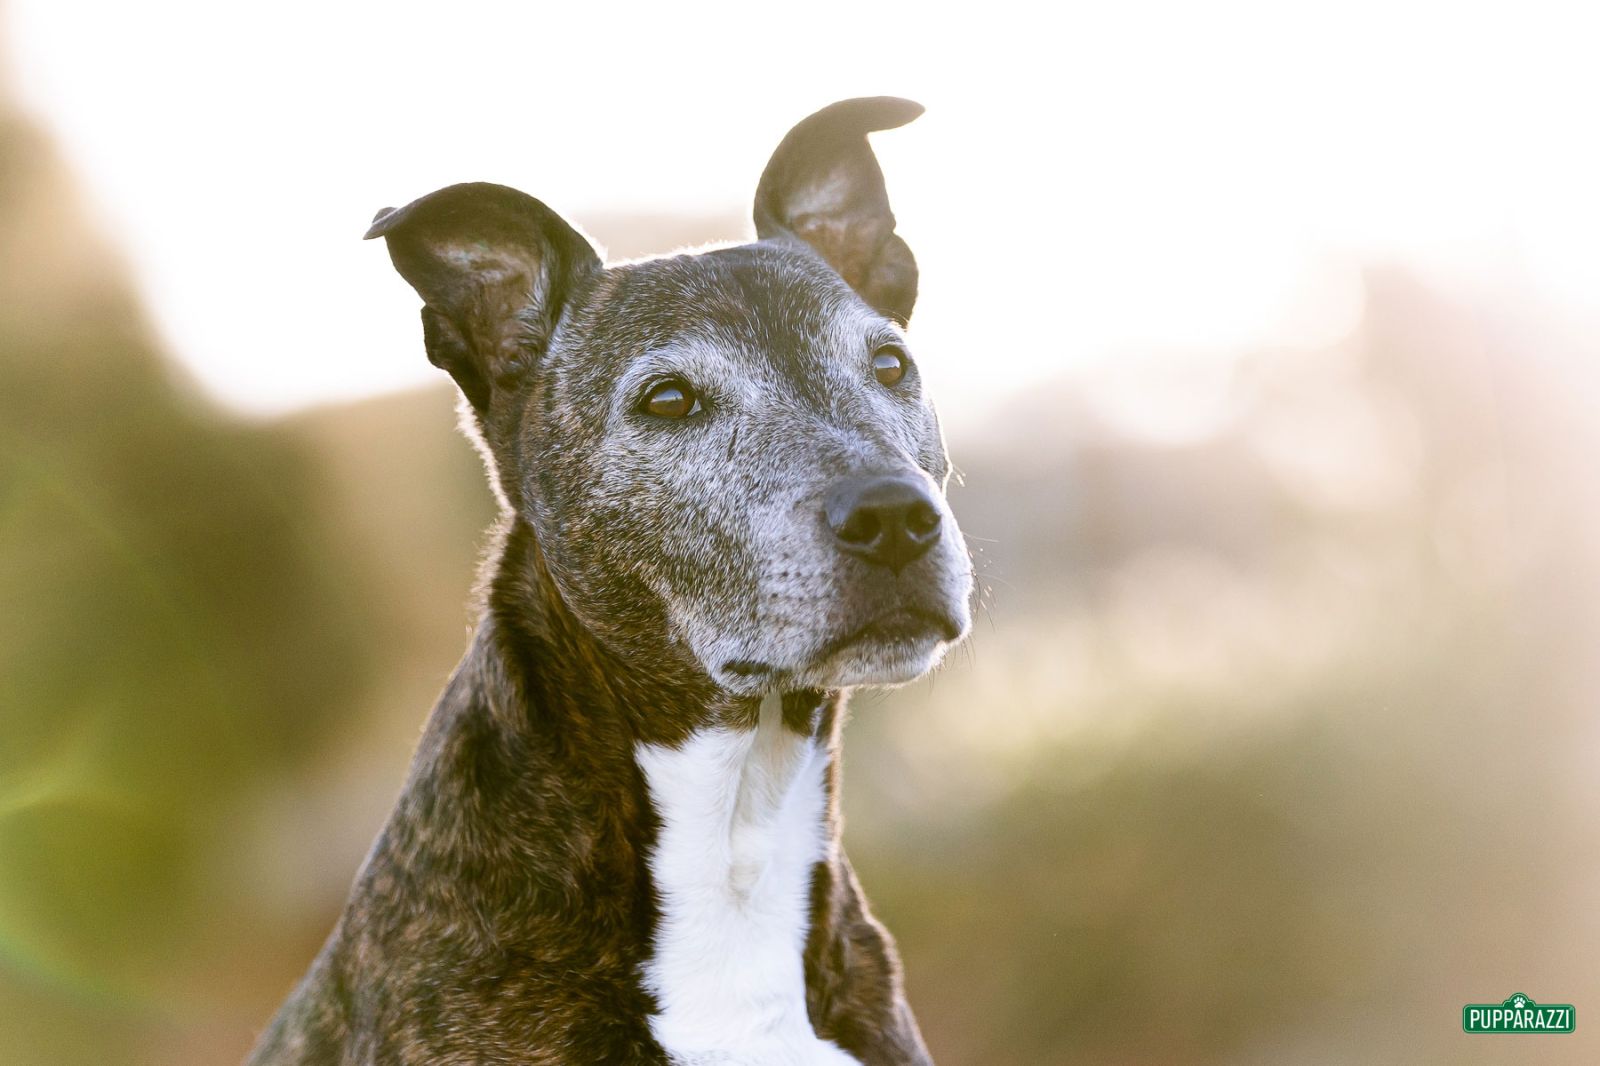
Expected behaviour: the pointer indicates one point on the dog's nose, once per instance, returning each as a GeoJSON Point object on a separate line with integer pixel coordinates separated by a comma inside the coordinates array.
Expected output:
{"type": "Point", "coordinates": [888, 520]}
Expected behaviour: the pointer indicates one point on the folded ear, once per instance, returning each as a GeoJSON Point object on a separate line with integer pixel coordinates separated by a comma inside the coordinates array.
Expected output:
{"type": "Point", "coordinates": [494, 268]}
{"type": "Point", "coordinates": [823, 185]}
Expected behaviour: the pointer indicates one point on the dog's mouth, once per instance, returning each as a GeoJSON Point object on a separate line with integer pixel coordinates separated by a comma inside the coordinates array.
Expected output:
{"type": "Point", "coordinates": [748, 668]}
{"type": "Point", "coordinates": [901, 626]}
{"type": "Point", "coordinates": [899, 643]}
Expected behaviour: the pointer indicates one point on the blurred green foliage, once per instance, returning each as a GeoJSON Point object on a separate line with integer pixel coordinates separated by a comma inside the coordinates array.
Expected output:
{"type": "Point", "coordinates": [179, 621]}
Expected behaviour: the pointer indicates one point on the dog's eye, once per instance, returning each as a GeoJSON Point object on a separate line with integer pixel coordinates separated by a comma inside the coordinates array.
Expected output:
{"type": "Point", "coordinates": [889, 365]}
{"type": "Point", "coordinates": [673, 398]}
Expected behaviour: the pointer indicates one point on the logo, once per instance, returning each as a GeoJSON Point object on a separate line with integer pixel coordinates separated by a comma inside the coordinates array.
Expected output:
{"type": "Point", "coordinates": [1518, 1014]}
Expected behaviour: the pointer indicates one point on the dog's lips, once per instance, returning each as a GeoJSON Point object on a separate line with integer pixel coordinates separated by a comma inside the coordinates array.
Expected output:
{"type": "Point", "coordinates": [902, 625]}
{"type": "Point", "coordinates": [901, 632]}
{"type": "Point", "coordinates": [747, 668]}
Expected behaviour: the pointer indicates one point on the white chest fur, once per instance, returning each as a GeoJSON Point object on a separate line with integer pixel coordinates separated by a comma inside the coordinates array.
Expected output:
{"type": "Point", "coordinates": [741, 826]}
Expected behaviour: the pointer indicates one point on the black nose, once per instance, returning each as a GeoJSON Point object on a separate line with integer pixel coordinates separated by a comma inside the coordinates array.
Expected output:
{"type": "Point", "coordinates": [888, 520]}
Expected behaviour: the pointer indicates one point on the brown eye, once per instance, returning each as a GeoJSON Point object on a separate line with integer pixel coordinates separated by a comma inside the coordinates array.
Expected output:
{"type": "Point", "coordinates": [889, 365]}
{"type": "Point", "coordinates": [674, 398]}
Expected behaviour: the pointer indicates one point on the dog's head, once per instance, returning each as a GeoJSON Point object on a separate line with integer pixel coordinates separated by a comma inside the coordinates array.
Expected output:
{"type": "Point", "coordinates": [733, 449]}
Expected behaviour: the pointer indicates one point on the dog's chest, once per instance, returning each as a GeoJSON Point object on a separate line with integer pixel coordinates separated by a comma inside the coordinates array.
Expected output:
{"type": "Point", "coordinates": [741, 827]}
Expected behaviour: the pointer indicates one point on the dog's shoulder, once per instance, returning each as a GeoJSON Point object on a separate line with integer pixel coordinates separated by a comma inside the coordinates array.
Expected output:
{"type": "Point", "coordinates": [855, 989]}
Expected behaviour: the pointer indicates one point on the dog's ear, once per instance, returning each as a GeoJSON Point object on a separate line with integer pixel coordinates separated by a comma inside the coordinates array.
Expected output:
{"type": "Point", "coordinates": [494, 268]}
{"type": "Point", "coordinates": [823, 185]}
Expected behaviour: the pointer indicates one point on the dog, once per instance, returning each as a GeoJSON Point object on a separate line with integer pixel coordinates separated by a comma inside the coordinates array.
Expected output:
{"type": "Point", "coordinates": [722, 495]}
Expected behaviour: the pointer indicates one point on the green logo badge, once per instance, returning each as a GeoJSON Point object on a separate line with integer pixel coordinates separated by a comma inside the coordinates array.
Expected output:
{"type": "Point", "coordinates": [1518, 1014]}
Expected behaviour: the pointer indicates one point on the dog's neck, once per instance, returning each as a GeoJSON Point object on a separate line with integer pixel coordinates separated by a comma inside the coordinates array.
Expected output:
{"type": "Point", "coordinates": [743, 815]}
{"type": "Point", "coordinates": [687, 827]}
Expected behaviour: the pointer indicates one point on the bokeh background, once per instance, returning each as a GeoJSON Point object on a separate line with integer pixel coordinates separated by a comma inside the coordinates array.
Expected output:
{"type": "Point", "coordinates": [1266, 338]}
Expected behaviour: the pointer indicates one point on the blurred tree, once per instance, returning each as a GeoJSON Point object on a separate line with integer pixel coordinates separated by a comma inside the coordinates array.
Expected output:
{"type": "Point", "coordinates": [177, 623]}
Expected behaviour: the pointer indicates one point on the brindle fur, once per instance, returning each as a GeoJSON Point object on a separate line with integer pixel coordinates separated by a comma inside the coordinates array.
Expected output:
{"type": "Point", "coordinates": [506, 909]}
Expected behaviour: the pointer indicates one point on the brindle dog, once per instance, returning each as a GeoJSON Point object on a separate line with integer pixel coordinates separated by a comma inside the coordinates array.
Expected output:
{"type": "Point", "coordinates": [722, 494]}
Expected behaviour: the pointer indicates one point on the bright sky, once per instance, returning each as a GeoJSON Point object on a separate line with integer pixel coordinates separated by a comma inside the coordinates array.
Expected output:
{"type": "Point", "coordinates": [1091, 182]}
